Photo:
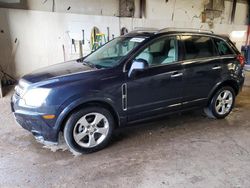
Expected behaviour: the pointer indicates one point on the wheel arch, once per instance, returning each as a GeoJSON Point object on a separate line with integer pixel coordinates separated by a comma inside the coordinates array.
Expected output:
{"type": "Point", "coordinates": [103, 104]}
{"type": "Point", "coordinates": [230, 83]}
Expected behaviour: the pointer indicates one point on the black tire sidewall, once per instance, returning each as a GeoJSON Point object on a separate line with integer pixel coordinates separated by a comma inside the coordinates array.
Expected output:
{"type": "Point", "coordinates": [212, 105]}
{"type": "Point", "coordinates": [70, 124]}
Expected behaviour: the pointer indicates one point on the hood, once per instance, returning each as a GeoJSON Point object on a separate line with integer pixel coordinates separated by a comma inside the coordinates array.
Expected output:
{"type": "Point", "coordinates": [57, 70]}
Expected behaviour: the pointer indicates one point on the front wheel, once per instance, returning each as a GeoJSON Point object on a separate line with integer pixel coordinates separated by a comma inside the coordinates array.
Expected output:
{"type": "Point", "coordinates": [89, 130]}
{"type": "Point", "coordinates": [221, 104]}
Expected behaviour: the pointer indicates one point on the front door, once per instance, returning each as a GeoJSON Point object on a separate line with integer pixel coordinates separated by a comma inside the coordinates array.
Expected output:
{"type": "Point", "coordinates": [158, 89]}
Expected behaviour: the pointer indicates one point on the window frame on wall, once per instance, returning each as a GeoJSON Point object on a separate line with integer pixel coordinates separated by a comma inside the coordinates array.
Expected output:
{"type": "Point", "coordinates": [21, 4]}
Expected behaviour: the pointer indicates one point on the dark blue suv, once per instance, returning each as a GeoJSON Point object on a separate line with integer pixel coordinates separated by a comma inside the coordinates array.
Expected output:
{"type": "Point", "coordinates": [136, 77]}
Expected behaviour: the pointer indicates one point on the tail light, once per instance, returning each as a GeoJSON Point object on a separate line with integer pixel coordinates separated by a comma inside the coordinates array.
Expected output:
{"type": "Point", "coordinates": [241, 59]}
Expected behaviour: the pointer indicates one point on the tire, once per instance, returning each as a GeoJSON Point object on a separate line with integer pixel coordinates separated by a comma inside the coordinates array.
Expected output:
{"type": "Point", "coordinates": [89, 130]}
{"type": "Point", "coordinates": [221, 103]}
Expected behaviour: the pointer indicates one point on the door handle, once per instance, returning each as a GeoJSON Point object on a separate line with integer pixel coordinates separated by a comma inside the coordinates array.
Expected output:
{"type": "Point", "coordinates": [176, 74]}
{"type": "Point", "coordinates": [216, 67]}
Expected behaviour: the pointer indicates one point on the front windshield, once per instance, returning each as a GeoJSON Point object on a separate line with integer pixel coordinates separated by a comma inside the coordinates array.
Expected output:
{"type": "Point", "coordinates": [111, 53]}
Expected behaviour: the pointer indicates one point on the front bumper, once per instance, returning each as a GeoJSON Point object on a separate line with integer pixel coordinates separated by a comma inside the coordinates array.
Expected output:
{"type": "Point", "coordinates": [43, 130]}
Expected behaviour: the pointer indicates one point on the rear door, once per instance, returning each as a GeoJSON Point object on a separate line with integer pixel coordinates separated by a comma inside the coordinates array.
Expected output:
{"type": "Point", "coordinates": [203, 68]}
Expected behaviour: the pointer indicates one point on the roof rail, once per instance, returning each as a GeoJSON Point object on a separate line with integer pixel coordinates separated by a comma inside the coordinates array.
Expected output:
{"type": "Point", "coordinates": [144, 30]}
{"type": "Point", "coordinates": [184, 29]}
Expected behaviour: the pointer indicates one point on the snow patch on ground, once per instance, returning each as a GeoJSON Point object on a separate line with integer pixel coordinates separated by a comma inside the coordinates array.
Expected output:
{"type": "Point", "coordinates": [61, 145]}
{"type": "Point", "coordinates": [247, 67]}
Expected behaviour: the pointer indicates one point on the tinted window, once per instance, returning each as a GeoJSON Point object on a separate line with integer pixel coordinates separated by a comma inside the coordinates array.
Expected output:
{"type": "Point", "coordinates": [160, 52]}
{"type": "Point", "coordinates": [198, 47]}
{"type": "Point", "coordinates": [222, 47]}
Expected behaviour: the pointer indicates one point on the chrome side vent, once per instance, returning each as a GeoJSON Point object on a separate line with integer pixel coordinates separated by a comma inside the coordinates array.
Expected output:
{"type": "Point", "coordinates": [124, 97]}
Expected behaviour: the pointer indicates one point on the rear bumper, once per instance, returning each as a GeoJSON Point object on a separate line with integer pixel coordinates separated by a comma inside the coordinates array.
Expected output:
{"type": "Point", "coordinates": [242, 80]}
{"type": "Point", "coordinates": [43, 130]}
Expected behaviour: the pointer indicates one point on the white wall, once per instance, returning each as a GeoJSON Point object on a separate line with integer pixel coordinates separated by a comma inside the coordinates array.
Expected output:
{"type": "Point", "coordinates": [190, 10]}
{"type": "Point", "coordinates": [41, 34]}
{"type": "Point", "coordinates": [89, 7]}
{"type": "Point", "coordinates": [187, 14]}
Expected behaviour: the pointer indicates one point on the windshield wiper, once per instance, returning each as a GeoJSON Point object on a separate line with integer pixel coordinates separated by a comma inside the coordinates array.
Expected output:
{"type": "Point", "coordinates": [89, 64]}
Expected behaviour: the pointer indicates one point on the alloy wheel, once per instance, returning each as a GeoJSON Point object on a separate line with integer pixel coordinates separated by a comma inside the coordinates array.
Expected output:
{"type": "Point", "coordinates": [224, 102]}
{"type": "Point", "coordinates": [91, 130]}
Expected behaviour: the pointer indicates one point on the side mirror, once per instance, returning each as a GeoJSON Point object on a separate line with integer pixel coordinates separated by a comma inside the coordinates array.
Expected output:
{"type": "Point", "coordinates": [137, 65]}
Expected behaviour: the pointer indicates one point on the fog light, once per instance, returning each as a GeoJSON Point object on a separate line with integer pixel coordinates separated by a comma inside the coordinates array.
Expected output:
{"type": "Point", "coordinates": [50, 116]}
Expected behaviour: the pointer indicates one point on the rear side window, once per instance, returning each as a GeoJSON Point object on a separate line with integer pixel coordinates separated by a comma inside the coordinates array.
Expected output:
{"type": "Point", "coordinates": [198, 47]}
{"type": "Point", "coordinates": [223, 47]}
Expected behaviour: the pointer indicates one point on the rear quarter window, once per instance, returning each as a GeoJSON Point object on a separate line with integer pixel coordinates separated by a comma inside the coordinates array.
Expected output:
{"type": "Point", "coordinates": [222, 47]}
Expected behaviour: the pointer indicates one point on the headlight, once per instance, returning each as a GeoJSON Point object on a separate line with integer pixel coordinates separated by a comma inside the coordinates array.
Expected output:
{"type": "Point", "coordinates": [35, 97]}
{"type": "Point", "coordinates": [23, 84]}
{"type": "Point", "coordinates": [21, 87]}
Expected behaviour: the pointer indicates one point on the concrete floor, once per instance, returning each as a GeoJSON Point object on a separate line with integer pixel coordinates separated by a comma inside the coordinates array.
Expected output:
{"type": "Point", "coordinates": [187, 150]}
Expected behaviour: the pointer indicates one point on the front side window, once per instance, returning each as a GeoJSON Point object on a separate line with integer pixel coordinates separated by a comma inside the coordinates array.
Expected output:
{"type": "Point", "coordinates": [222, 47]}
{"type": "Point", "coordinates": [160, 52]}
{"type": "Point", "coordinates": [111, 53]}
{"type": "Point", "coordinates": [198, 47]}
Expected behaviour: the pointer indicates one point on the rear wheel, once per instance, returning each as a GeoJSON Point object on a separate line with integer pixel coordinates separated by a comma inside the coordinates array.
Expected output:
{"type": "Point", "coordinates": [221, 104]}
{"type": "Point", "coordinates": [89, 129]}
